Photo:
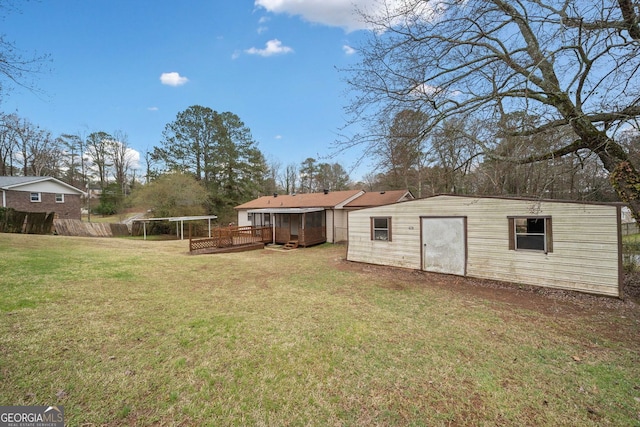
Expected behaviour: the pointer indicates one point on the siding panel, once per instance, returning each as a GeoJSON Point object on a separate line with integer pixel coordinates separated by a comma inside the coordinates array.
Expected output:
{"type": "Point", "coordinates": [585, 253]}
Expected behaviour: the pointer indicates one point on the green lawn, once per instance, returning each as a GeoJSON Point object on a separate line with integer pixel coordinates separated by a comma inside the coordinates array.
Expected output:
{"type": "Point", "coordinates": [131, 332]}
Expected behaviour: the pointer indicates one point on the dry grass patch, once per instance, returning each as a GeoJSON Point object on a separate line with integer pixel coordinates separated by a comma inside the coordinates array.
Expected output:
{"type": "Point", "coordinates": [128, 332]}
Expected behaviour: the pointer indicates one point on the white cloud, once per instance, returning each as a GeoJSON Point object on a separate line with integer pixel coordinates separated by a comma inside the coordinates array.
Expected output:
{"type": "Point", "coordinates": [348, 49]}
{"type": "Point", "coordinates": [173, 79]}
{"type": "Point", "coordinates": [153, 108]}
{"type": "Point", "coordinates": [134, 157]}
{"type": "Point", "coordinates": [272, 47]}
{"type": "Point", "coordinates": [335, 13]}
{"type": "Point", "coordinates": [428, 91]}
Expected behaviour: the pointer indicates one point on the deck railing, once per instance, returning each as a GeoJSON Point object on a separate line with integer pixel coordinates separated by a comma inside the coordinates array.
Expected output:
{"type": "Point", "coordinates": [224, 237]}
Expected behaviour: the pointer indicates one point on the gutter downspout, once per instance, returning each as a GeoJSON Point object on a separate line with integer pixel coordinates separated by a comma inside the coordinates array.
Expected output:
{"type": "Point", "coordinates": [4, 199]}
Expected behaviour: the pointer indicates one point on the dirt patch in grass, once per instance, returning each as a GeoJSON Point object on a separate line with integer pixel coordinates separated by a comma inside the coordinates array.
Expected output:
{"type": "Point", "coordinates": [555, 302]}
{"type": "Point", "coordinates": [631, 286]}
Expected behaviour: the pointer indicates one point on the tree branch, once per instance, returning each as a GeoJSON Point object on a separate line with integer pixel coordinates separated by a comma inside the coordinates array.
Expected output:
{"type": "Point", "coordinates": [630, 21]}
{"type": "Point", "coordinates": [576, 145]}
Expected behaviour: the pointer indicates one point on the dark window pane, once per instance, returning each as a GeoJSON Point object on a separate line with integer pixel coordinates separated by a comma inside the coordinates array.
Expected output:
{"type": "Point", "coordinates": [380, 223]}
{"type": "Point", "coordinates": [535, 225]}
{"type": "Point", "coordinates": [530, 242]}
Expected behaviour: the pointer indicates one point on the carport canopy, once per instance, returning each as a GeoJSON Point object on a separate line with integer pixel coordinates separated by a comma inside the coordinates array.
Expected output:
{"type": "Point", "coordinates": [179, 220]}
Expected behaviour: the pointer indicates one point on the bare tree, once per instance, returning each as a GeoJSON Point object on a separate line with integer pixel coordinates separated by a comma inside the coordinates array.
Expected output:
{"type": "Point", "coordinates": [290, 178]}
{"type": "Point", "coordinates": [35, 149]}
{"type": "Point", "coordinates": [272, 183]}
{"type": "Point", "coordinates": [452, 149]}
{"type": "Point", "coordinates": [370, 181]}
{"type": "Point", "coordinates": [15, 68]}
{"type": "Point", "coordinates": [45, 154]}
{"type": "Point", "coordinates": [98, 149]}
{"type": "Point", "coordinates": [569, 63]}
{"type": "Point", "coordinates": [7, 144]}
{"type": "Point", "coordinates": [121, 157]}
{"type": "Point", "coordinates": [399, 153]}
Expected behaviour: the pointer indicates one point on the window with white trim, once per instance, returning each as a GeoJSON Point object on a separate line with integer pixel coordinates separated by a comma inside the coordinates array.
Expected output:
{"type": "Point", "coordinates": [381, 228]}
{"type": "Point", "coordinates": [59, 198]}
{"type": "Point", "coordinates": [35, 197]}
{"type": "Point", "coordinates": [530, 233]}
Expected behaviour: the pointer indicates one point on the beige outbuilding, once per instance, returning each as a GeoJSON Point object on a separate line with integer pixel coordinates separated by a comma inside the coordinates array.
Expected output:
{"type": "Point", "coordinates": [549, 243]}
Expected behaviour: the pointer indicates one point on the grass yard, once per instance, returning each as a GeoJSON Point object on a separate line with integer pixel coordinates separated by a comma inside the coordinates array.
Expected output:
{"type": "Point", "coordinates": [131, 332]}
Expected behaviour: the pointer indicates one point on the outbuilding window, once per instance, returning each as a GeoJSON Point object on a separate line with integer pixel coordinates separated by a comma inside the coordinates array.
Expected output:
{"type": "Point", "coordinates": [381, 228]}
{"type": "Point", "coordinates": [59, 198]}
{"type": "Point", "coordinates": [531, 233]}
{"type": "Point", "coordinates": [35, 197]}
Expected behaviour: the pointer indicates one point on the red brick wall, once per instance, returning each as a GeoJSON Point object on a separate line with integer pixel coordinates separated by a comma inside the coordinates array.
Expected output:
{"type": "Point", "coordinates": [21, 201]}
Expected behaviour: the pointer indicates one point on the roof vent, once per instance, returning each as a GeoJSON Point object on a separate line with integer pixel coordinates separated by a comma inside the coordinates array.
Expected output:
{"type": "Point", "coordinates": [326, 191]}
{"type": "Point", "coordinates": [275, 194]}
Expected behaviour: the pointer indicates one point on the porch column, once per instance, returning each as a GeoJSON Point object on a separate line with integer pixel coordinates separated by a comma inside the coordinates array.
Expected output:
{"type": "Point", "coordinates": [273, 228]}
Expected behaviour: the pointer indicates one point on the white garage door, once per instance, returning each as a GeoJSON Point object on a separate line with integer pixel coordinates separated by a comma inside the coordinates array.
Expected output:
{"type": "Point", "coordinates": [444, 244]}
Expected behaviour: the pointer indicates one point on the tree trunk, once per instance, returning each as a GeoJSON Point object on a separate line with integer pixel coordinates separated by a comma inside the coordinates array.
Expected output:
{"type": "Point", "coordinates": [623, 175]}
{"type": "Point", "coordinates": [626, 181]}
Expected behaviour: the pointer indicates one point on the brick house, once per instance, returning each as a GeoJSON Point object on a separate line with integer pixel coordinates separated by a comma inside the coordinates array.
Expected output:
{"type": "Point", "coordinates": [41, 194]}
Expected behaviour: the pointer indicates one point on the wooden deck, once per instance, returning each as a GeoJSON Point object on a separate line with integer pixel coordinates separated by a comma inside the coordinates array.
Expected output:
{"type": "Point", "coordinates": [231, 239]}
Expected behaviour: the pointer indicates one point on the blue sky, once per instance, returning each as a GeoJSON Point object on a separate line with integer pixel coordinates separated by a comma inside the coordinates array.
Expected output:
{"type": "Point", "coordinates": [132, 65]}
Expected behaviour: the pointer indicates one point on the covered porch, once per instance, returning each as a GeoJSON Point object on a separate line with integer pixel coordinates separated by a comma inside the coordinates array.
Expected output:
{"type": "Point", "coordinates": [294, 226]}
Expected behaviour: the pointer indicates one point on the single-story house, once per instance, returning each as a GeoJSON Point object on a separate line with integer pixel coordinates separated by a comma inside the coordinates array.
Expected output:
{"type": "Point", "coordinates": [41, 194]}
{"type": "Point", "coordinates": [367, 200]}
{"type": "Point", "coordinates": [548, 243]}
{"type": "Point", "coordinates": [311, 218]}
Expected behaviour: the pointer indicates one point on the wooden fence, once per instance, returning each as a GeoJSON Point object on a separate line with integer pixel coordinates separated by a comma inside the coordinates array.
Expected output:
{"type": "Point", "coordinates": [231, 236]}
{"type": "Point", "coordinates": [12, 221]}
{"type": "Point", "coordinates": [75, 227]}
